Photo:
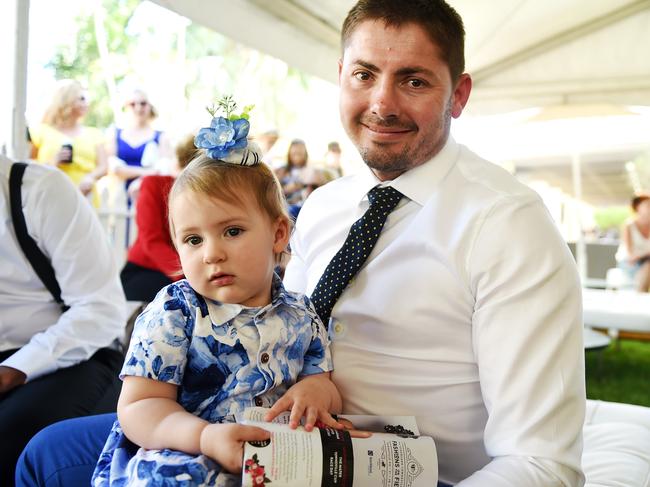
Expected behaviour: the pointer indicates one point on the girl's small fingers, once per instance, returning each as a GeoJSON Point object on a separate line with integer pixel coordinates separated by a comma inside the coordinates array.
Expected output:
{"type": "Point", "coordinates": [310, 419]}
{"type": "Point", "coordinates": [297, 412]}
{"type": "Point", "coordinates": [281, 405]}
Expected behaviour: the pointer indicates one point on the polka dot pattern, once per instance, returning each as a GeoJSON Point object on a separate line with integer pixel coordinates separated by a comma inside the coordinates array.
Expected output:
{"type": "Point", "coordinates": [354, 251]}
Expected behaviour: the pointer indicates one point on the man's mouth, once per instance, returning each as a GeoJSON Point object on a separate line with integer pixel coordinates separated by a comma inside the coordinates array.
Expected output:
{"type": "Point", "coordinates": [387, 129]}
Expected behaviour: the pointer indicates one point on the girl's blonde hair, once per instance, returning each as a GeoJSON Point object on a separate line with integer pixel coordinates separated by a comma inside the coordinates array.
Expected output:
{"type": "Point", "coordinates": [66, 93]}
{"type": "Point", "coordinates": [232, 183]}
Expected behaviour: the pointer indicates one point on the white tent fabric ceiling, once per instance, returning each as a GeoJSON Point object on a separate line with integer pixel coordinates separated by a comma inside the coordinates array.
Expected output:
{"type": "Point", "coordinates": [521, 53]}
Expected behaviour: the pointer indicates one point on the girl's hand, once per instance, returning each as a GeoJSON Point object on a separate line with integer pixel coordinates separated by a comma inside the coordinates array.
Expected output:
{"type": "Point", "coordinates": [312, 397]}
{"type": "Point", "coordinates": [224, 443]}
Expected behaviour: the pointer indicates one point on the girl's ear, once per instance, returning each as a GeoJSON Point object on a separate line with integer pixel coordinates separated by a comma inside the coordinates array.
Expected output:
{"type": "Point", "coordinates": [281, 236]}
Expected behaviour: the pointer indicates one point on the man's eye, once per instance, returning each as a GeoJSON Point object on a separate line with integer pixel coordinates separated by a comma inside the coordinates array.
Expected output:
{"type": "Point", "coordinates": [362, 75]}
{"type": "Point", "coordinates": [416, 83]}
{"type": "Point", "coordinates": [193, 240]}
{"type": "Point", "coordinates": [233, 232]}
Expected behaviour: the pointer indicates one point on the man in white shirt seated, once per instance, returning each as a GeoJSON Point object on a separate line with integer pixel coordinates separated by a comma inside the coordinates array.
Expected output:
{"type": "Point", "coordinates": [467, 311]}
{"type": "Point", "coordinates": [54, 364]}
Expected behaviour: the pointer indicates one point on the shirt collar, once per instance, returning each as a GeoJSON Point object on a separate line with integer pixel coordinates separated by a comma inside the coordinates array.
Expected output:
{"type": "Point", "coordinates": [221, 313]}
{"type": "Point", "coordinates": [418, 183]}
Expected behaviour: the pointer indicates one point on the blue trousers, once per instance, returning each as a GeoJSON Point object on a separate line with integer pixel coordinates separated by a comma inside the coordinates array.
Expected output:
{"type": "Point", "coordinates": [65, 453]}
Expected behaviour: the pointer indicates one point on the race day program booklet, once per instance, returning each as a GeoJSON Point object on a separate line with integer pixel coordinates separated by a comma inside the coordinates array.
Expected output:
{"type": "Point", "coordinates": [394, 456]}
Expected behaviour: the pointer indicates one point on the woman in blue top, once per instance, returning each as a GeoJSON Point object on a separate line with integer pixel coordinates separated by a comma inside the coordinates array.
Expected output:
{"type": "Point", "coordinates": [138, 149]}
{"type": "Point", "coordinates": [227, 337]}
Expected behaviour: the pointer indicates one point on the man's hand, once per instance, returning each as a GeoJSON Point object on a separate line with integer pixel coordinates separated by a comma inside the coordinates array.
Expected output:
{"type": "Point", "coordinates": [10, 378]}
{"type": "Point", "coordinates": [354, 432]}
{"type": "Point", "coordinates": [224, 443]}
{"type": "Point", "coordinates": [313, 397]}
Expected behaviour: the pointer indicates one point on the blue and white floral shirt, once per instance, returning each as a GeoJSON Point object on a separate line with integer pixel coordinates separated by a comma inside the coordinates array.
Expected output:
{"type": "Point", "coordinates": [227, 357]}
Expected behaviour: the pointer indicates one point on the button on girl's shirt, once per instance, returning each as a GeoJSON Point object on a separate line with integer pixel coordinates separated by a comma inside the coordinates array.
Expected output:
{"type": "Point", "coordinates": [264, 358]}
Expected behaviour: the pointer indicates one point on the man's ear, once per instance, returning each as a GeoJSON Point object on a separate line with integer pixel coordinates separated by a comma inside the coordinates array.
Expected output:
{"type": "Point", "coordinates": [461, 94]}
{"type": "Point", "coordinates": [340, 69]}
{"type": "Point", "coordinates": [281, 236]}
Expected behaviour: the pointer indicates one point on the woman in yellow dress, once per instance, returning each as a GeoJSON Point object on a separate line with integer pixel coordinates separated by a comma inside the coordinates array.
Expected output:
{"type": "Point", "coordinates": [63, 141]}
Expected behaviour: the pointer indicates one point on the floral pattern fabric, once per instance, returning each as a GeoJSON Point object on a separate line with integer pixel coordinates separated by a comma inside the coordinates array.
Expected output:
{"type": "Point", "coordinates": [223, 358]}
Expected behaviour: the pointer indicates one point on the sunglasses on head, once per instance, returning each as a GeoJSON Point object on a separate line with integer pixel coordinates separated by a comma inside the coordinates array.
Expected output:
{"type": "Point", "coordinates": [133, 104]}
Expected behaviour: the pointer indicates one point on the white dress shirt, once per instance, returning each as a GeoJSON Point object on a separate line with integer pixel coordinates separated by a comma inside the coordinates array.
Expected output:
{"type": "Point", "coordinates": [467, 315]}
{"type": "Point", "coordinates": [66, 229]}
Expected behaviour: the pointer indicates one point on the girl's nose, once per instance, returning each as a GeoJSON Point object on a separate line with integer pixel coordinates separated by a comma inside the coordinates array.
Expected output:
{"type": "Point", "coordinates": [213, 252]}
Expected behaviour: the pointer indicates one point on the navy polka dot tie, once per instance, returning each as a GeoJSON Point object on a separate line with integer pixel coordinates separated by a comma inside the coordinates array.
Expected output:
{"type": "Point", "coordinates": [355, 250]}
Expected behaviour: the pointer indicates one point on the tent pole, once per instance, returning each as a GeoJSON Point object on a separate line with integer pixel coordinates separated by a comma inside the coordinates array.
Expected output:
{"type": "Point", "coordinates": [581, 246]}
{"type": "Point", "coordinates": [18, 146]}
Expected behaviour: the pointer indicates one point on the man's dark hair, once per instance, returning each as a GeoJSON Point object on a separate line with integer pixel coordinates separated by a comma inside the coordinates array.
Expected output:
{"type": "Point", "coordinates": [437, 18]}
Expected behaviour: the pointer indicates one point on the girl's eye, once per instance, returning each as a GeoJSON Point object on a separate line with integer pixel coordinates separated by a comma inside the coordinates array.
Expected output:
{"type": "Point", "coordinates": [193, 240]}
{"type": "Point", "coordinates": [233, 232]}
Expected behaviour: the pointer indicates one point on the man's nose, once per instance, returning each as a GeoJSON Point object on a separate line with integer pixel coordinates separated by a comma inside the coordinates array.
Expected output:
{"type": "Point", "coordinates": [385, 99]}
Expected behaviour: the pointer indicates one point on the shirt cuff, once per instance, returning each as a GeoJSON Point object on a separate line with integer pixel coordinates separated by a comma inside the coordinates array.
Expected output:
{"type": "Point", "coordinates": [33, 365]}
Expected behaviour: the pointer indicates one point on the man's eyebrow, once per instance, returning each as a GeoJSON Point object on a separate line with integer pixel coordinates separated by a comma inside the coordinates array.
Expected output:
{"type": "Point", "coordinates": [367, 65]}
{"type": "Point", "coordinates": [408, 70]}
{"type": "Point", "coordinates": [405, 71]}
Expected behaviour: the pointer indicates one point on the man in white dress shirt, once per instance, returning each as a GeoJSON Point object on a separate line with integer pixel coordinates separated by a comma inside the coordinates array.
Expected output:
{"type": "Point", "coordinates": [53, 364]}
{"type": "Point", "coordinates": [467, 313]}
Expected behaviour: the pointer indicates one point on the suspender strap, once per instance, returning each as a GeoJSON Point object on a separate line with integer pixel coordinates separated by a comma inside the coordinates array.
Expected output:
{"type": "Point", "coordinates": [40, 263]}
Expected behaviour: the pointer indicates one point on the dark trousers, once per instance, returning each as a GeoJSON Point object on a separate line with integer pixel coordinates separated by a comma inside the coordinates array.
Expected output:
{"type": "Point", "coordinates": [142, 284]}
{"type": "Point", "coordinates": [90, 387]}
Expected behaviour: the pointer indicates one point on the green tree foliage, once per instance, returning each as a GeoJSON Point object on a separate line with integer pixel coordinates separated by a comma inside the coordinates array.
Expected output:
{"type": "Point", "coordinates": [611, 218]}
{"type": "Point", "coordinates": [81, 60]}
{"type": "Point", "coordinates": [210, 65]}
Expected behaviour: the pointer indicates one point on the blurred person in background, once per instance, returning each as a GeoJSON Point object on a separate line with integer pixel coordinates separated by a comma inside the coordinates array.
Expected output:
{"type": "Point", "coordinates": [289, 175]}
{"type": "Point", "coordinates": [633, 254]}
{"type": "Point", "coordinates": [333, 159]}
{"type": "Point", "coordinates": [63, 141]}
{"type": "Point", "coordinates": [310, 178]}
{"type": "Point", "coordinates": [152, 261]}
{"type": "Point", "coordinates": [138, 149]}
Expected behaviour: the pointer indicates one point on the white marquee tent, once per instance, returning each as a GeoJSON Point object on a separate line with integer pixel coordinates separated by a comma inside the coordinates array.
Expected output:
{"type": "Point", "coordinates": [521, 53]}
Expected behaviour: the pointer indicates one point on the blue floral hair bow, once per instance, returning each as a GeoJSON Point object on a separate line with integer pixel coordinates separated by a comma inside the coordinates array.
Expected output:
{"type": "Point", "coordinates": [226, 137]}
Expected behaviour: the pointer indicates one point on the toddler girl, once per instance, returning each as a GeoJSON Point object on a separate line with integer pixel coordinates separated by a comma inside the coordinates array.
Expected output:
{"type": "Point", "coordinates": [227, 337]}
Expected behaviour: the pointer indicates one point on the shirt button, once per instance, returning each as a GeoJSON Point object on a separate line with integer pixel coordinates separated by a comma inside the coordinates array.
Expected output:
{"type": "Point", "coordinates": [259, 402]}
{"type": "Point", "coordinates": [264, 358]}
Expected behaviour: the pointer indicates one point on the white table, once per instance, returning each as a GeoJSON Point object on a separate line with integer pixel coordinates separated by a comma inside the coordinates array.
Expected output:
{"type": "Point", "coordinates": [616, 310]}
{"type": "Point", "coordinates": [594, 340]}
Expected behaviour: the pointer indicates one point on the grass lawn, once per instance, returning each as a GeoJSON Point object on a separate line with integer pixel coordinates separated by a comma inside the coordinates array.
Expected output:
{"type": "Point", "coordinates": [623, 375]}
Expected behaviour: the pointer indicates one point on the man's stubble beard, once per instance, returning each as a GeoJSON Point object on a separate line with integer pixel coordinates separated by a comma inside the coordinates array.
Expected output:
{"type": "Point", "coordinates": [410, 156]}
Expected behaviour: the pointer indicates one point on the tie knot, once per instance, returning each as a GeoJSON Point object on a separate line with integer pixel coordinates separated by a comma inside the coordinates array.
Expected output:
{"type": "Point", "coordinates": [385, 197]}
